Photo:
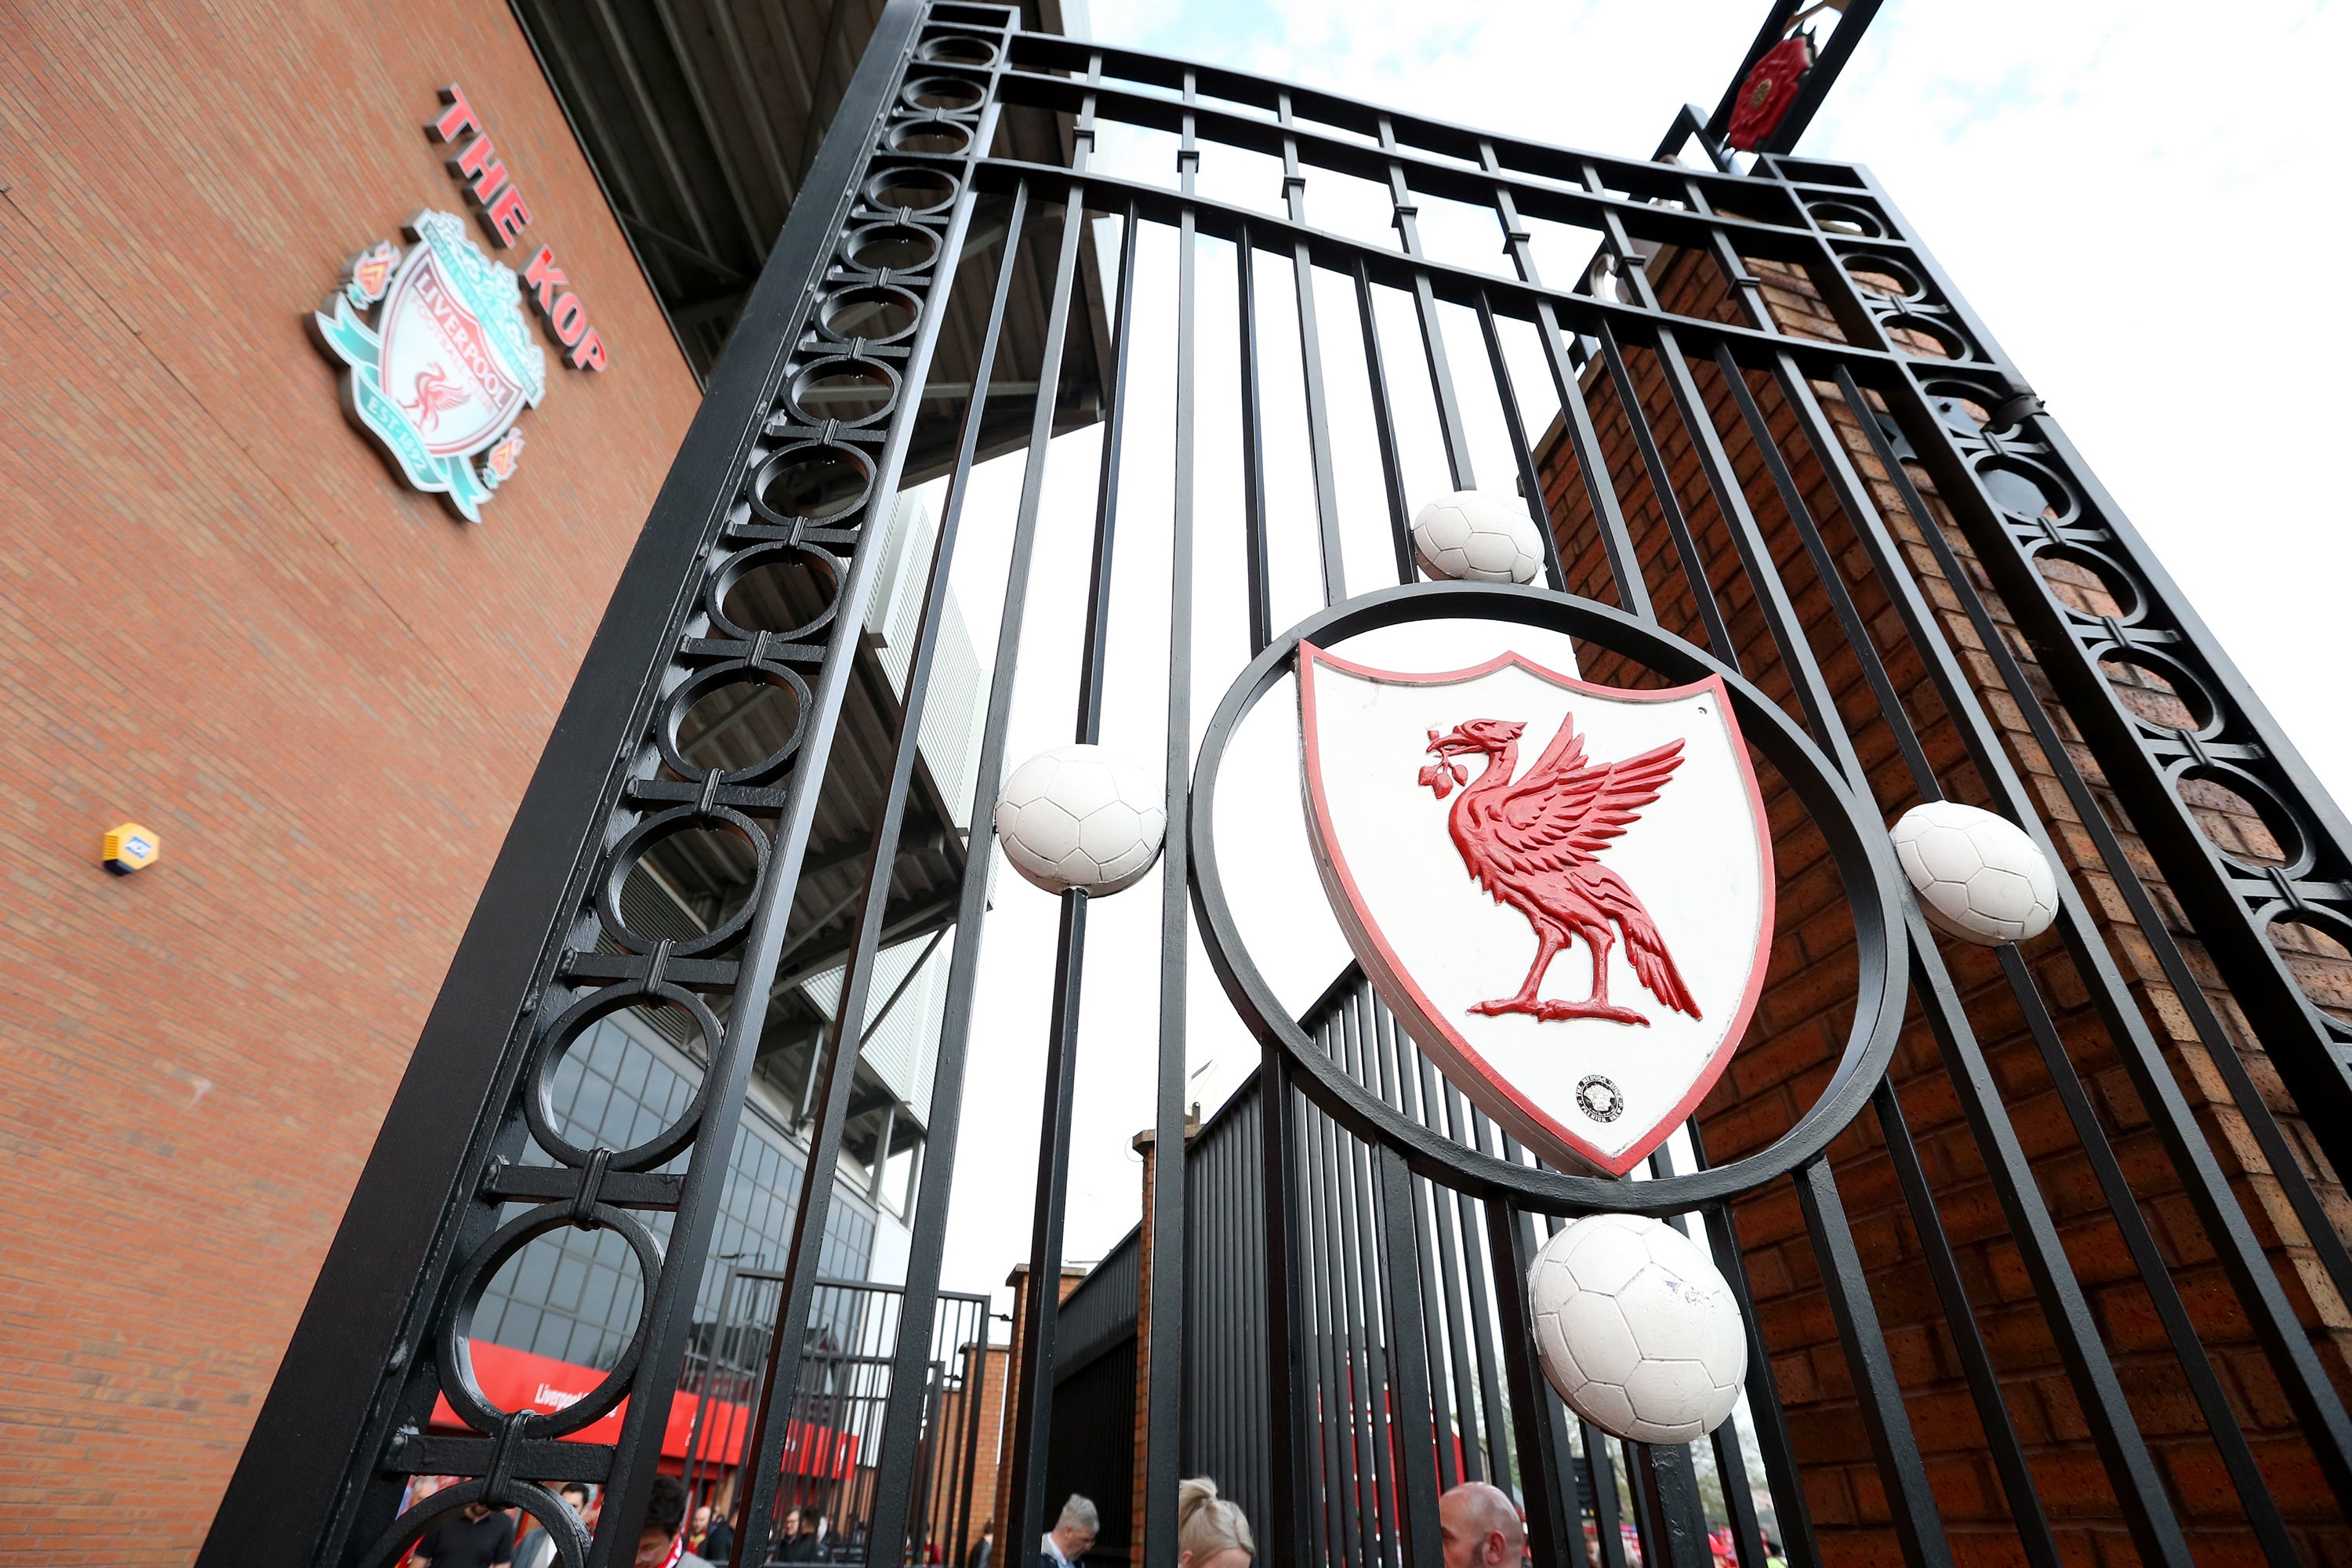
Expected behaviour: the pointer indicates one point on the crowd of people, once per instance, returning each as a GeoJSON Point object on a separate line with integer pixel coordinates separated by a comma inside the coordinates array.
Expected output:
{"type": "Point", "coordinates": [1478, 1524]}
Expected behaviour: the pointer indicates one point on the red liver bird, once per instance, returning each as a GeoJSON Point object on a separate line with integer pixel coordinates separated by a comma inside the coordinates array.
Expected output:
{"type": "Point", "coordinates": [1531, 845]}
{"type": "Point", "coordinates": [436, 395]}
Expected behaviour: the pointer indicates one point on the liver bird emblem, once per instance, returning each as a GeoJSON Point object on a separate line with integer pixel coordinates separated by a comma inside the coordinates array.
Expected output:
{"type": "Point", "coordinates": [436, 395]}
{"type": "Point", "coordinates": [1532, 844]}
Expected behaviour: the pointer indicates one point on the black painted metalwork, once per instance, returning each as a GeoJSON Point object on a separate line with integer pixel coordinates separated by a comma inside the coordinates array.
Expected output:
{"type": "Point", "coordinates": [1337, 1260]}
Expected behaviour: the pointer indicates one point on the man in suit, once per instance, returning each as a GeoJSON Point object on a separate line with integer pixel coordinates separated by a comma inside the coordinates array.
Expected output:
{"type": "Point", "coordinates": [1066, 1545]}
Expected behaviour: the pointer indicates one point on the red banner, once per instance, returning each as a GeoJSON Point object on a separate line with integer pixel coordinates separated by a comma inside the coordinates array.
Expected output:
{"type": "Point", "coordinates": [517, 1380]}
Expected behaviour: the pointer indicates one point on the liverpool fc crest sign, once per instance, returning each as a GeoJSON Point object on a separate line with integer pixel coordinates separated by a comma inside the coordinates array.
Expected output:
{"type": "Point", "coordinates": [446, 367]}
{"type": "Point", "coordinates": [1563, 891]}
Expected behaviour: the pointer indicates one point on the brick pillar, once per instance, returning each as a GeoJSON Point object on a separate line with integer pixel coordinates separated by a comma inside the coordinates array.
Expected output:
{"type": "Point", "coordinates": [1146, 1144]}
{"type": "Point", "coordinates": [1799, 1028]}
{"type": "Point", "coordinates": [1019, 1279]}
{"type": "Point", "coordinates": [996, 1362]}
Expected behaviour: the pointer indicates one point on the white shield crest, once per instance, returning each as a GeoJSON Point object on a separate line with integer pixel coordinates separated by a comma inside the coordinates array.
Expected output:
{"type": "Point", "coordinates": [1483, 834]}
{"type": "Point", "coordinates": [441, 364]}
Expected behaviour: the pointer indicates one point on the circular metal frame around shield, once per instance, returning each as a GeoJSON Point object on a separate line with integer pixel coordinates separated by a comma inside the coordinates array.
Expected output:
{"type": "Point", "coordinates": [1858, 847]}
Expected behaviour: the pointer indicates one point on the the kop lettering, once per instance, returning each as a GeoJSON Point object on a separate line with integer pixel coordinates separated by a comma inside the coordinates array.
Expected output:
{"type": "Point", "coordinates": [505, 213]}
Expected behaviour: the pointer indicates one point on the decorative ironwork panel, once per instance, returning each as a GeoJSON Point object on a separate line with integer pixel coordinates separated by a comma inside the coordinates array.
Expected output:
{"type": "Point", "coordinates": [1728, 489]}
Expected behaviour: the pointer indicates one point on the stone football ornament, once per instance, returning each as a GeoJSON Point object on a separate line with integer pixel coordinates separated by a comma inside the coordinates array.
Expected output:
{"type": "Point", "coordinates": [1978, 875]}
{"type": "Point", "coordinates": [1473, 536]}
{"type": "Point", "coordinates": [1563, 891]}
{"type": "Point", "coordinates": [1079, 816]}
{"type": "Point", "coordinates": [1636, 1329]}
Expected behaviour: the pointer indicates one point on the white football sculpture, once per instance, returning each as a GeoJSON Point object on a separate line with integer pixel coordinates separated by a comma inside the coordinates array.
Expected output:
{"type": "Point", "coordinates": [1477, 536]}
{"type": "Point", "coordinates": [1636, 1329]}
{"type": "Point", "coordinates": [1080, 816]}
{"type": "Point", "coordinates": [1978, 875]}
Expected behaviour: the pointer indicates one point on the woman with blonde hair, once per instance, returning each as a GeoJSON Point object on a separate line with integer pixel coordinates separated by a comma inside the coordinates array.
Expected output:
{"type": "Point", "coordinates": [1210, 1532]}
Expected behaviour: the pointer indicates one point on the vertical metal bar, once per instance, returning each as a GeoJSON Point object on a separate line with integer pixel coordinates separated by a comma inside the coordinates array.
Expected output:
{"type": "Point", "coordinates": [1662, 484]}
{"type": "Point", "coordinates": [1286, 1471]}
{"type": "Point", "coordinates": [2145, 1502]}
{"type": "Point", "coordinates": [1515, 425]}
{"type": "Point", "coordinates": [1673, 1526]}
{"type": "Point", "coordinates": [944, 1123]}
{"type": "Point", "coordinates": [1310, 358]}
{"type": "Point", "coordinates": [1405, 215]}
{"type": "Point", "coordinates": [1163, 1408]}
{"type": "Point", "coordinates": [1361, 1227]}
{"type": "Point", "coordinates": [1600, 1475]}
{"type": "Point", "coordinates": [1910, 1500]}
{"type": "Point", "coordinates": [1549, 1534]}
{"type": "Point", "coordinates": [1456, 1292]}
{"type": "Point", "coordinates": [2009, 1460]}
{"type": "Point", "coordinates": [1033, 1418]}
{"type": "Point", "coordinates": [1482, 1323]}
{"type": "Point", "coordinates": [1336, 1524]}
{"type": "Point", "coordinates": [1449, 1468]}
{"type": "Point", "coordinates": [1576, 418]}
{"type": "Point", "coordinates": [1411, 1372]}
{"type": "Point", "coordinates": [2316, 1404]}
{"type": "Point", "coordinates": [2286, 1167]}
{"type": "Point", "coordinates": [1384, 426]}
{"type": "Point", "coordinates": [1254, 560]}
{"type": "Point", "coordinates": [804, 1257]}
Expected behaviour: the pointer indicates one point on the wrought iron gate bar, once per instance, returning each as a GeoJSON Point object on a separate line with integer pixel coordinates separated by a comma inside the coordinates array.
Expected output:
{"type": "Point", "coordinates": [2230, 736]}
{"type": "Point", "coordinates": [1032, 1416]}
{"type": "Point", "coordinates": [1168, 1263]}
{"type": "Point", "coordinates": [2126, 1456]}
{"type": "Point", "coordinates": [2283, 1165]}
{"type": "Point", "coordinates": [903, 1422]}
{"type": "Point", "coordinates": [837, 1078]}
{"type": "Point", "coordinates": [2305, 1381]}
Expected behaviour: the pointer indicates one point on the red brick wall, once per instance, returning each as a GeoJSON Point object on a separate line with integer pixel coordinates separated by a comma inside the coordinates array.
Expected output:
{"type": "Point", "coordinates": [222, 616]}
{"type": "Point", "coordinates": [1799, 1029]}
{"type": "Point", "coordinates": [1072, 1277]}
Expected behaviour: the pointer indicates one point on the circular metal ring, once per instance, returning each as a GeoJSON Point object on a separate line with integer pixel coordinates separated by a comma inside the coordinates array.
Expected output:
{"type": "Point", "coordinates": [881, 297]}
{"type": "Point", "coordinates": [1857, 843]}
{"type": "Point", "coordinates": [2207, 715]}
{"type": "Point", "coordinates": [865, 238]}
{"type": "Point", "coordinates": [457, 1368]}
{"type": "Point", "coordinates": [906, 181]}
{"type": "Point", "coordinates": [809, 452]}
{"type": "Point", "coordinates": [681, 701]}
{"type": "Point", "coordinates": [967, 49]}
{"type": "Point", "coordinates": [1946, 337]}
{"type": "Point", "coordinates": [1844, 218]}
{"type": "Point", "coordinates": [2296, 850]}
{"type": "Point", "coordinates": [2057, 495]}
{"type": "Point", "coordinates": [1857, 262]}
{"type": "Point", "coordinates": [2319, 918]}
{"type": "Point", "coordinates": [537, 1101]}
{"type": "Point", "coordinates": [563, 1527]}
{"type": "Point", "coordinates": [941, 84]}
{"type": "Point", "coordinates": [642, 837]}
{"type": "Point", "coordinates": [392, 1547]}
{"type": "Point", "coordinates": [723, 583]}
{"type": "Point", "coordinates": [929, 135]}
{"type": "Point", "coordinates": [842, 365]}
{"type": "Point", "coordinates": [2118, 584]}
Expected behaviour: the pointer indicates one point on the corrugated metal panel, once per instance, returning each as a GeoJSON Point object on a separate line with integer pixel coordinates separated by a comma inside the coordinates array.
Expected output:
{"type": "Point", "coordinates": [904, 1051]}
{"type": "Point", "coordinates": [953, 712]}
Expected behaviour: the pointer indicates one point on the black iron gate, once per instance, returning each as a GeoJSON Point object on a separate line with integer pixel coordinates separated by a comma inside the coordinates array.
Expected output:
{"type": "Point", "coordinates": [1767, 440]}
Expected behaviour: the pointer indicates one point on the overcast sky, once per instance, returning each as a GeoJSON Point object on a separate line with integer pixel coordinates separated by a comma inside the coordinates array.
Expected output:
{"type": "Point", "coordinates": [2127, 194]}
